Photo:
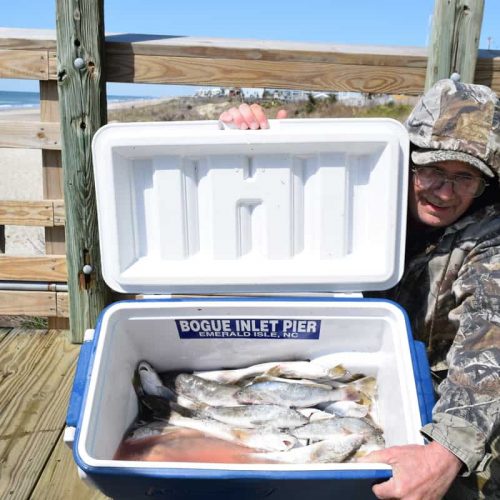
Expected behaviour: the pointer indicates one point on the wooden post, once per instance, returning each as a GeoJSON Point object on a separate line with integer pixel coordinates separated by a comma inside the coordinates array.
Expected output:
{"type": "Point", "coordinates": [456, 28]}
{"type": "Point", "coordinates": [82, 101]}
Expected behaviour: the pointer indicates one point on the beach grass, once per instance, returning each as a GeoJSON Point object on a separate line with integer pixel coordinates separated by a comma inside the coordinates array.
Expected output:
{"type": "Point", "coordinates": [190, 108]}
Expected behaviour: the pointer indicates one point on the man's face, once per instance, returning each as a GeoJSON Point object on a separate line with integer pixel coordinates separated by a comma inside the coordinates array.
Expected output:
{"type": "Point", "coordinates": [442, 205]}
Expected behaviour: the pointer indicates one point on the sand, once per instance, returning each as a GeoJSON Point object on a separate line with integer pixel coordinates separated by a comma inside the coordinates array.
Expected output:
{"type": "Point", "coordinates": [21, 179]}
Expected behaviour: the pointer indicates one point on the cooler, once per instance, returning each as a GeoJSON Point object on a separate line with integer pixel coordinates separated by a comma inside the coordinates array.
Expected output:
{"type": "Point", "coordinates": [250, 246]}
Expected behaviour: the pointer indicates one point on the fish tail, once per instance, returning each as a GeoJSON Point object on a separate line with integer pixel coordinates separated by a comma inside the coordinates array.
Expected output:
{"type": "Point", "coordinates": [337, 372]}
{"type": "Point", "coordinates": [366, 385]}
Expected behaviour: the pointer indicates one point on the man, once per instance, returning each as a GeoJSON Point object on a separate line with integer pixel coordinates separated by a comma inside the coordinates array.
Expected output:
{"type": "Point", "coordinates": [450, 289]}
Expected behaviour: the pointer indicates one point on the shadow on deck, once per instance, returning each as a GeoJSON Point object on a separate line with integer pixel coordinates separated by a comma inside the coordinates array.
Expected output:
{"type": "Point", "coordinates": [36, 375]}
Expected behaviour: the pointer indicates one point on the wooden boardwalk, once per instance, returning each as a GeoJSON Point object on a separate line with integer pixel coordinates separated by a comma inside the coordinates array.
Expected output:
{"type": "Point", "coordinates": [36, 375]}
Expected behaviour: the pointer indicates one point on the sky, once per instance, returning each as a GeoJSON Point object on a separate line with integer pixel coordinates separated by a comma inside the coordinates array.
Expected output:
{"type": "Point", "coordinates": [354, 22]}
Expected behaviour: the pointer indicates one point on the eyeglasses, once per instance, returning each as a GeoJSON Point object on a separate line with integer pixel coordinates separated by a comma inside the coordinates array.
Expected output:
{"type": "Point", "coordinates": [463, 184]}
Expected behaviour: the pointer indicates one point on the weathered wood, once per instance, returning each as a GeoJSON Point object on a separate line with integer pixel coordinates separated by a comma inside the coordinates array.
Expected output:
{"type": "Point", "coordinates": [456, 29]}
{"type": "Point", "coordinates": [31, 303]}
{"type": "Point", "coordinates": [155, 55]}
{"type": "Point", "coordinates": [29, 135]}
{"type": "Point", "coordinates": [233, 72]}
{"type": "Point", "coordinates": [60, 480]}
{"type": "Point", "coordinates": [55, 241]}
{"type": "Point", "coordinates": [47, 213]}
{"type": "Point", "coordinates": [36, 375]}
{"type": "Point", "coordinates": [27, 39]}
{"type": "Point", "coordinates": [51, 268]}
{"type": "Point", "coordinates": [82, 99]}
{"type": "Point", "coordinates": [4, 331]}
{"type": "Point", "coordinates": [62, 305]}
{"type": "Point", "coordinates": [24, 64]}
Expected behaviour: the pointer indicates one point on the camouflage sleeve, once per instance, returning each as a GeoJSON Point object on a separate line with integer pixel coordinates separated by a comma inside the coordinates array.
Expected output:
{"type": "Point", "coordinates": [467, 413]}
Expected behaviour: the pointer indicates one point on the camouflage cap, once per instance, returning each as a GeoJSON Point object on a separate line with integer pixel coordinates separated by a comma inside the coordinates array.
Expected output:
{"type": "Point", "coordinates": [457, 121]}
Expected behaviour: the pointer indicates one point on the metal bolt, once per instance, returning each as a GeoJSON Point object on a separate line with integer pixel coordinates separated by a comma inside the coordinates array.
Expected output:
{"type": "Point", "coordinates": [87, 269]}
{"type": "Point", "coordinates": [79, 63]}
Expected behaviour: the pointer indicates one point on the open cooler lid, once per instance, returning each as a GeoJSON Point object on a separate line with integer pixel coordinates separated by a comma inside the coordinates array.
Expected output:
{"type": "Point", "coordinates": [307, 205]}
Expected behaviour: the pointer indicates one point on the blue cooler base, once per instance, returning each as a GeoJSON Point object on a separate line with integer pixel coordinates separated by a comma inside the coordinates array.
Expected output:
{"type": "Point", "coordinates": [237, 489]}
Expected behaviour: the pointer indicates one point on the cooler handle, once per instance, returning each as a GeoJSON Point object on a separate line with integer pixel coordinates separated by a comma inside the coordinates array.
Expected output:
{"type": "Point", "coordinates": [425, 390]}
{"type": "Point", "coordinates": [79, 383]}
{"type": "Point", "coordinates": [273, 123]}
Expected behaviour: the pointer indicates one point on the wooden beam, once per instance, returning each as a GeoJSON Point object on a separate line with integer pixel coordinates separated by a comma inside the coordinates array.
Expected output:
{"type": "Point", "coordinates": [280, 74]}
{"type": "Point", "coordinates": [50, 268]}
{"type": "Point", "coordinates": [156, 57]}
{"type": "Point", "coordinates": [27, 303]}
{"type": "Point", "coordinates": [55, 242]}
{"type": "Point", "coordinates": [456, 28]}
{"type": "Point", "coordinates": [46, 213]}
{"type": "Point", "coordinates": [82, 100]}
{"type": "Point", "coordinates": [24, 64]}
{"type": "Point", "coordinates": [29, 135]}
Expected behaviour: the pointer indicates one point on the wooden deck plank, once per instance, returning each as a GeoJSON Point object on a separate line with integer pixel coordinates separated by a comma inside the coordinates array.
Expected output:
{"type": "Point", "coordinates": [3, 332]}
{"type": "Point", "coordinates": [36, 376]}
{"type": "Point", "coordinates": [60, 480]}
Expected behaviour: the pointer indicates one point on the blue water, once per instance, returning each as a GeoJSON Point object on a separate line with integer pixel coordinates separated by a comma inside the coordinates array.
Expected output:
{"type": "Point", "coordinates": [10, 99]}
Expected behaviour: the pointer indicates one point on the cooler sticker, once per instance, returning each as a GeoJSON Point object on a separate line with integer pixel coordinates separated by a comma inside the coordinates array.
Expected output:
{"type": "Point", "coordinates": [304, 329]}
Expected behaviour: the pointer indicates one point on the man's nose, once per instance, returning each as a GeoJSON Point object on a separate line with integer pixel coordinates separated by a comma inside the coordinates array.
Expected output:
{"type": "Point", "coordinates": [445, 190]}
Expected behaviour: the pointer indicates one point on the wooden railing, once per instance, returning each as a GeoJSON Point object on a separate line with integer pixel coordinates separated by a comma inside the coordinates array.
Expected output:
{"type": "Point", "coordinates": [31, 54]}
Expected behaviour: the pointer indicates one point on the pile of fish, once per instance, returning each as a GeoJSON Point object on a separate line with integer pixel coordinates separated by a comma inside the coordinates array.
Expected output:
{"type": "Point", "coordinates": [279, 412]}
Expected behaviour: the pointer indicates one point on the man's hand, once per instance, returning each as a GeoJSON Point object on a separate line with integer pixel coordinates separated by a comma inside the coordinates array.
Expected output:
{"type": "Point", "coordinates": [419, 472]}
{"type": "Point", "coordinates": [248, 117]}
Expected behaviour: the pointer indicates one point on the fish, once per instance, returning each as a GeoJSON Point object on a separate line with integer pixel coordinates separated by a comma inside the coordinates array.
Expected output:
{"type": "Point", "coordinates": [327, 451]}
{"type": "Point", "coordinates": [204, 391]}
{"type": "Point", "coordinates": [327, 428]}
{"type": "Point", "coordinates": [253, 416]}
{"type": "Point", "coordinates": [313, 414]}
{"type": "Point", "coordinates": [259, 439]}
{"type": "Point", "coordinates": [347, 409]}
{"type": "Point", "coordinates": [143, 430]}
{"type": "Point", "coordinates": [285, 369]}
{"type": "Point", "coordinates": [295, 395]}
{"type": "Point", "coordinates": [148, 382]}
{"type": "Point", "coordinates": [154, 395]}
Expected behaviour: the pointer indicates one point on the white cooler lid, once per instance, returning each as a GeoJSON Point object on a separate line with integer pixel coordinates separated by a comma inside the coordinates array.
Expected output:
{"type": "Point", "coordinates": [309, 205]}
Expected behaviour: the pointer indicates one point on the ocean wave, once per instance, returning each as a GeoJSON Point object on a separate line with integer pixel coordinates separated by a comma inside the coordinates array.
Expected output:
{"type": "Point", "coordinates": [18, 106]}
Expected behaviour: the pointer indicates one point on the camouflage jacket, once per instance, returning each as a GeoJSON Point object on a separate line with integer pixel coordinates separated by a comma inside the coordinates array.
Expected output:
{"type": "Point", "coordinates": [451, 291]}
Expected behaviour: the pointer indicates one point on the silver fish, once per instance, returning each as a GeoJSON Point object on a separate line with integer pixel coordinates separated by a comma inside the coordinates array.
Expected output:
{"type": "Point", "coordinates": [296, 395]}
{"type": "Point", "coordinates": [327, 428]}
{"type": "Point", "coordinates": [327, 451]}
{"type": "Point", "coordinates": [148, 382]}
{"type": "Point", "coordinates": [205, 391]}
{"type": "Point", "coordinates": [313, 414]}
{"type": "Point", "coordinates": [154, 428]}
{"type": "Point", "coordinates": [347, 409]}
{"type": "Point", "coordinates": [287, 369]}
{"type": "Point", "coordinates": [261, 439]}
{"type": "Point", "coordinates": [252, 416]}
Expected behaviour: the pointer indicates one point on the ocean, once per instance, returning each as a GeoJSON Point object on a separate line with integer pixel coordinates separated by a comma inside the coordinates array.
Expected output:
{"type": "Point", "coordinates": [10, 99]}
